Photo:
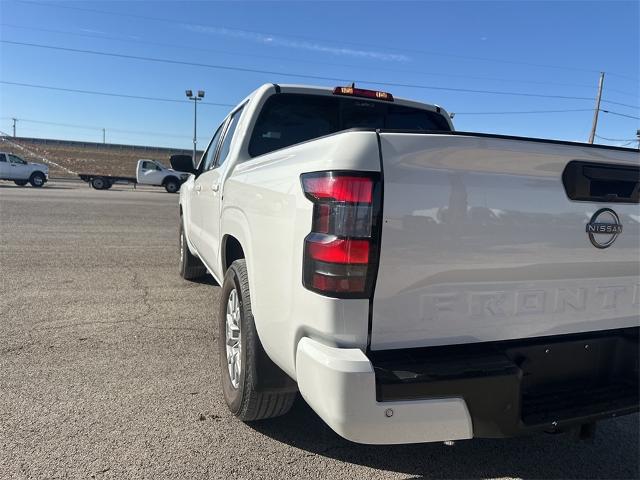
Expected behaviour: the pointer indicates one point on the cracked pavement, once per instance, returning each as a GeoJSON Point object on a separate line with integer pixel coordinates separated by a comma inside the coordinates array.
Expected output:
{"type": "Point", "coordinates": [108, 367]}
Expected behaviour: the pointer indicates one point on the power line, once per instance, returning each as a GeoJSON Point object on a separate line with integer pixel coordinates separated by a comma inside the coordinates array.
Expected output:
{"type": "Point", "coordinates": [297, 75]}
{"type": "Point", "coordinates": [617, 139]}
{"type": "Point", "coordinates": [138, 97]}
{"type": "Point", "coordinates": [524, 112]}
{"type": "Point", "coordinates": [621, 104]}
{"type": "Point", "coordinates": [620, 114]}
{"type": "Point", "coordinates": [173, 21]}
{"type": "Point", "coordinates": [312, 62]}
{"type": "Point", "coordinates": [87, 127]}
{"type": "Point", "coordinates": [109, 94]}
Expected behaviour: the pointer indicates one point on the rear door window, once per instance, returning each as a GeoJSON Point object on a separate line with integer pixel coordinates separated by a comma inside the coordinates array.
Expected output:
{"type": "Point", "coordinates": [208, 157]}
{"type": "Point", "coordinates": [228, 137]}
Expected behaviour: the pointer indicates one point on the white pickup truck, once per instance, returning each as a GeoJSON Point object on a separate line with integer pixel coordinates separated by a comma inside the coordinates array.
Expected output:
{"type": "Point", "coordinates": [21, 172]}
{"type": "Point", "coordinates": [415, 283]}
{"type": "Point", "coordinates": [148, 172]}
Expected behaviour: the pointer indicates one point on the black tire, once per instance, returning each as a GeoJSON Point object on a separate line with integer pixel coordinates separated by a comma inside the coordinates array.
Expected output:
{"type": "Point", "coordinates": [21, 183]}
{"type": "Point", "coordinates": [98, 183]}
{"type": "Point", "coordinates": [191, 268]}
{"type": "Point", "coordinates": [37, 179]}
{"type": "Point", "coordinates": [172, 185]}
{"type": "Point", "coordinates": [248, 401]}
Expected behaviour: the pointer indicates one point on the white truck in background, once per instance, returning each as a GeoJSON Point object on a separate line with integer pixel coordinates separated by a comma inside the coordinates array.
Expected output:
{"type": "Point", "coordinates": [414, 283]}
{"type": "Point", "coordinates": [148, 172]}
{"type": "Point", "coordinates": [21, 172]}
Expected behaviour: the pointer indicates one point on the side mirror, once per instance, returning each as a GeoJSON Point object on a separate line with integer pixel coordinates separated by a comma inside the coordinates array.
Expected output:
{"type": "Point", "coordinates": [182, 163]}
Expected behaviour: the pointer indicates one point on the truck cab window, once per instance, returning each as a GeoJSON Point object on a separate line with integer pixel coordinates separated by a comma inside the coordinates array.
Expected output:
{"type": "Point", "coordinates": [208, 157]}
{"type": "Point", "coordinates": [403, 118]}
{"type": "Point", "coordinates": [226, 143]}
{"type": "Point", "coordinates": [3, 158]}
{"type": "Point", "coordinates": [150, 166]}
{"type": "Point", "coordinates": [16, 159]}
{"type": "Point", "coordinates": [289, 118]}
{"type": "Point", "coordinates": [363, 114]}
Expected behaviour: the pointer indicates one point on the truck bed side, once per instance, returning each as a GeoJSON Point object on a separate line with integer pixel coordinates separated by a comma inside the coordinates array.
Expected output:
{"type": "Point", "coordinates": [264, 207]}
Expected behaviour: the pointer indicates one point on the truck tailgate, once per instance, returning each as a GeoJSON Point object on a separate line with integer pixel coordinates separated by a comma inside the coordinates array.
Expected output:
{"type": "Point", "coordinates": [480, 242]}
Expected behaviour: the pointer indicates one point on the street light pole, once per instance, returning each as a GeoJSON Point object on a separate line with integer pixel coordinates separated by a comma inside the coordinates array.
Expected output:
{"type": "Point", "coordinates": [195, 128]}
{"type": "Point", "coordinates": [196, 98]}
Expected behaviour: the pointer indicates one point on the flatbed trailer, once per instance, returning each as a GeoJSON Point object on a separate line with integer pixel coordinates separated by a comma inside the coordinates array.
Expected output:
{"type": "Point", "coordinates": [104, 182]}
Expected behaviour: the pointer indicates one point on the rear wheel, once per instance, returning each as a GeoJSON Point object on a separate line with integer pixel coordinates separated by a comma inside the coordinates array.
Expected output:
{"type": "Point", "coordinates": [191, 267]}
{"type": "Point", "coordinates": [243, 361]}
{"type": "Point", "coordinates": [37, 179]}
{"type": "Point", "coordinates": [98, 183]}
{"type": "Point", "coordinates": [171, 185]}
{"type": "Point", "coordinates": [21, 183]}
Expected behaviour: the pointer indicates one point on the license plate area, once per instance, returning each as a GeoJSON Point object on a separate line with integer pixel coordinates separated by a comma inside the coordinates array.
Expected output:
{"type": "Point", "coordinates": [573, 379]}
{"type": "Point", "coordinates": [521, 386]}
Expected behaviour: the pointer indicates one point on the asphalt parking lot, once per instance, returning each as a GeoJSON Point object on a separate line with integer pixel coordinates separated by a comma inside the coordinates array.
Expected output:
{"type": "Point", "coordinates": [108, 367]}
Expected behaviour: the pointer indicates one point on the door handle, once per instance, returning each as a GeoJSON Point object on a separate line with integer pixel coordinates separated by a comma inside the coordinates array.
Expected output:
{"type": "Point", "coordinates": [198, 188]}
{"type": "Point", "coordinates": [215, 187]}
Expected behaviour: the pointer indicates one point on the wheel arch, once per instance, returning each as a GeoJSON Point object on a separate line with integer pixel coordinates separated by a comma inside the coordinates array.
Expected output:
{"type": "Point", "coordinates": [235, 240]}
{"type": "Point", "coordinates": [234, 233]}
{"type": "Point", "coordinates": [169, 177]}
{"type": "Point", "coordinates": [231, 251]}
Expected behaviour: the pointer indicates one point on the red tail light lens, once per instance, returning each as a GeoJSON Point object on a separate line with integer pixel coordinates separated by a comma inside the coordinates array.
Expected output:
{"type": "Point", "coordinates": [338, 250]}
{"type": "Point", "coordinates": [341, 252]}
{"type": "Point", "coordinates": [339, 188]}
{"type": "Point", "coordinates": [323, 283]}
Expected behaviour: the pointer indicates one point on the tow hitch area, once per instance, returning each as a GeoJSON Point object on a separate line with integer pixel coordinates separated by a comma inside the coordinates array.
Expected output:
{"type": "Point", "coordinates": [523, 386]}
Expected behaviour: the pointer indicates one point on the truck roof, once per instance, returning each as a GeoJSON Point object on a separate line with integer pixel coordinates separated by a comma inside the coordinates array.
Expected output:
{"type": "Point", "coordinates": [319, 90]}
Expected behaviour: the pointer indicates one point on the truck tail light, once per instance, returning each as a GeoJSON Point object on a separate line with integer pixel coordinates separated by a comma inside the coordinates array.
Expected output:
{"type": "Point", "coordinates": [341, 252]}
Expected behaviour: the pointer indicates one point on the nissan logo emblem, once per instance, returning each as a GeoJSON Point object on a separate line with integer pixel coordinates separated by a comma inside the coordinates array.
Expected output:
{"type": "Point", "coordinates": [603, 228]}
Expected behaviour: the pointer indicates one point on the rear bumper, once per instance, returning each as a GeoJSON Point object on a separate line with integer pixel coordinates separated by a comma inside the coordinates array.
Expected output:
{"type": "Point", "coordinates": [340, 385]}
{"type": "Point", "coordinates": [497, 389]}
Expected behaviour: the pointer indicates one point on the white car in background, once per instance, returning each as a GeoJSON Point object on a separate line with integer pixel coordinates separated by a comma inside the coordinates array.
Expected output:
{"type": "Point", "coordinates": [22, 172]}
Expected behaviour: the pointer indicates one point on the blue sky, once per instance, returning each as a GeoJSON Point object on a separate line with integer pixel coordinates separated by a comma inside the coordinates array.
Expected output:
{"type": "Point", "coordinates": [541, 48]}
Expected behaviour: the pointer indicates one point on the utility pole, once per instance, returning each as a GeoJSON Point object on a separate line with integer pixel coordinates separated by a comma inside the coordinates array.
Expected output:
{"type": "Point", "coordinates": [14, 126]}
{"type": "Point", "coordinates": [597, 110]}
{"type": "Point", "coordinates": [638, 136]}
{"type": "Point", "coordinates": [196, 98]}
{"type": "Point", "coordinates": [104, 136]}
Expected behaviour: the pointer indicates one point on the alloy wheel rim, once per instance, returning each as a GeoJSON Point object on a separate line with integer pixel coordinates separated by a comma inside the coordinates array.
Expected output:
{"type": "Point", "coordinates": [232, 337]}
{"type": "Point", "coordinates": [181, 247]}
